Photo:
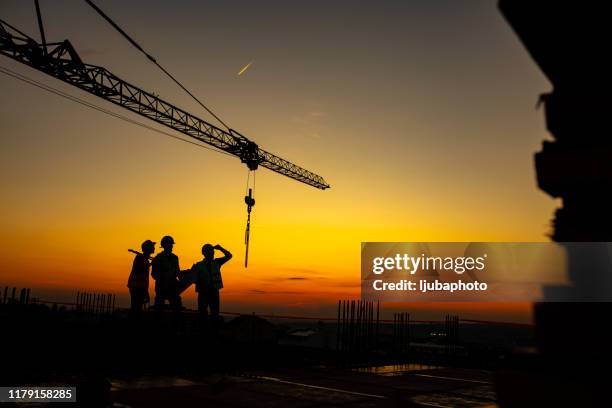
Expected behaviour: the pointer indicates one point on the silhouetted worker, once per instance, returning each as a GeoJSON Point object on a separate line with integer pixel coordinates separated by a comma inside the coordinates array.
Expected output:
{"type": "Point", "coordinates": [208, 281]}
{"type": "Point", "coordinates": [138, 282]}
{"type": "Point", "coordinates": [165, 272]}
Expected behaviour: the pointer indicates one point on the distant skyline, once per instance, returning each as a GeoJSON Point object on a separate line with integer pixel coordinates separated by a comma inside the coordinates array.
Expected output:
{"type": "Point", "coordinates": [420, 114]}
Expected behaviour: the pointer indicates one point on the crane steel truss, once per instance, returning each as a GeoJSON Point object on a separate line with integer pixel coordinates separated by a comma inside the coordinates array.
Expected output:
{"type": "Point", "coordinates": [61, 61]}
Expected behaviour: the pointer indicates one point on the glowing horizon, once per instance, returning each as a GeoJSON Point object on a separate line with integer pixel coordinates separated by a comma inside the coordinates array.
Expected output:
{"type": "Point", "coordinates": [425, 134]}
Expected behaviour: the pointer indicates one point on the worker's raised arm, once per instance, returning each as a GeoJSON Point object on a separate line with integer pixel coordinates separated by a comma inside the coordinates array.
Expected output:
{"type": "Point", "coordinates": [227, 254]}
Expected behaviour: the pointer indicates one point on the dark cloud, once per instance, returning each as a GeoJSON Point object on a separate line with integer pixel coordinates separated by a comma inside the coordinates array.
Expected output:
{"type": "Point", "coordinates": [304, 271]}
{"type": "Point", "coordinates": [280, 292]}
{"type": "Point", "coordinates": [288, 278]}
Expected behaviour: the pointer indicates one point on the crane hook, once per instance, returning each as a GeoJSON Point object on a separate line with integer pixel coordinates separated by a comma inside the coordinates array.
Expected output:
{"type": "Point", "coordinates": [250, 202]}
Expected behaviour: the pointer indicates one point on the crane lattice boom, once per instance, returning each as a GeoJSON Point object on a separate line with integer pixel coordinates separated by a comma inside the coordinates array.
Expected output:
{"type": "Point", "coordinates": [61, 61]}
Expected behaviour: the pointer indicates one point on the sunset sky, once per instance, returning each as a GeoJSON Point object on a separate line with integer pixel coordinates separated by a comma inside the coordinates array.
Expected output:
{"type": "Point", "coordinates": [420, 114]}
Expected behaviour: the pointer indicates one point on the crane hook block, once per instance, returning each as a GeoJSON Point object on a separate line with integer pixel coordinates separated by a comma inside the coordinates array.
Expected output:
{"type": "Point", "coordinates": [250, 155]}
{"type": "Point", "coordinates": [249, 200]}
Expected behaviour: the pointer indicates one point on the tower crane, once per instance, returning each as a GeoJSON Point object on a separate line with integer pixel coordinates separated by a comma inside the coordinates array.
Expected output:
{"type": "Point", "coordinates": [61, 61]}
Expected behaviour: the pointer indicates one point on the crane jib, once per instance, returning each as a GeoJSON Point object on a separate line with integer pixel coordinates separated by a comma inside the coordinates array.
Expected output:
{"type": "Point", "coordinates": [61, 61]}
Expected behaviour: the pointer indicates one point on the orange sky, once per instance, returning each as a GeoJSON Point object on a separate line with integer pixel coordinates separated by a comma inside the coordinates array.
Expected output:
{"type": "Point", "coordinates": [424, 126]}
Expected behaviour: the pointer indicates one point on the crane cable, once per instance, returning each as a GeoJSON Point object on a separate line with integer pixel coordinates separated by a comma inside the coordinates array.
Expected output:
{"type": "Point", "coordinates": [153, 60]}
{"type": "Point", "coordinates": [249, 200]}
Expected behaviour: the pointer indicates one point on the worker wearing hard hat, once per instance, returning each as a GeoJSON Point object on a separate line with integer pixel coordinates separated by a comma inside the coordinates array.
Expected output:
{"type": "Point", "coordinates": [138, 282]}
{"type": "Point", "coordinates": [208, 281]}
{"type": "Point", "coordinates": [165, 272]}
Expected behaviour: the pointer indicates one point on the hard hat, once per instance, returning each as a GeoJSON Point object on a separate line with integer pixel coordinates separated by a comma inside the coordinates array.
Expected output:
{"type": "Point", "coordinates": [147, 244]}
{"type": "Point", "coordinates": [167, 240]}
